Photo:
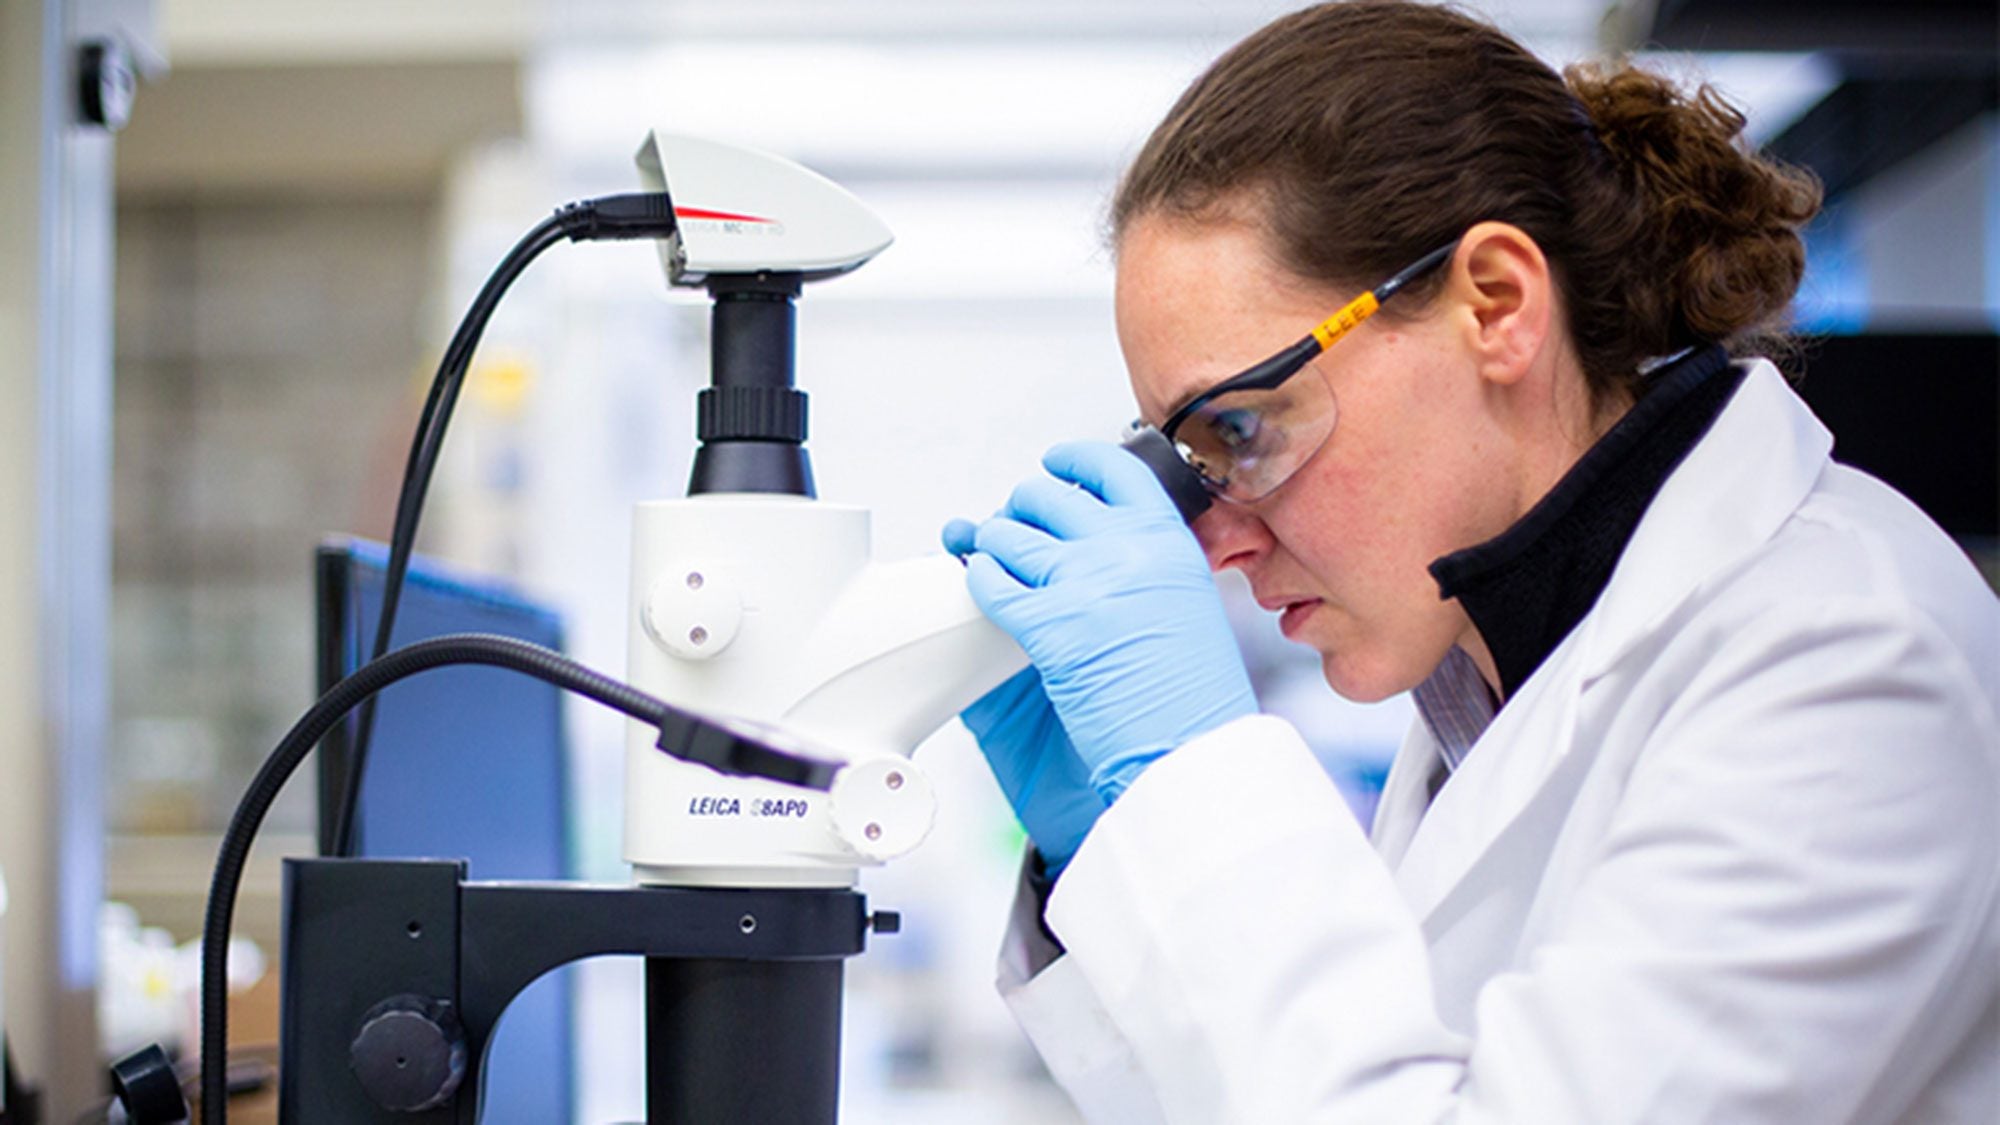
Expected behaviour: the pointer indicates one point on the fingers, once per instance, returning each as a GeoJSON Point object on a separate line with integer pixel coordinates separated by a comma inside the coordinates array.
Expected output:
{"type": "Point", "coordinates": [992, 588]}
{"type": "Point", "coordinates": [958, 537]}
{"type": "Point", "coordinates": [1004, 557]}
{"type": "Point", "coordinates": [1063, 510]}
{"type": "Point", "coordinates": [1088, 476]}
{"type": "Point", "coordinates": [1027, 553]}
{"type": "Point", "coordinates": [1109, 472]}
{"type": "Point", "coordinates": [1012, 553]}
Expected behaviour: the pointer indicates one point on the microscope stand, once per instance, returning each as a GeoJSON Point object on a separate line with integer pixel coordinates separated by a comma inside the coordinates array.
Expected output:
{"type": "Point", "coordinates": [396, 972]}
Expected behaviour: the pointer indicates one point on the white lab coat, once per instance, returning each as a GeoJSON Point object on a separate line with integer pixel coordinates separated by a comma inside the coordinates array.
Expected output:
{"type": "Point", "coordinates": [1730, 855]}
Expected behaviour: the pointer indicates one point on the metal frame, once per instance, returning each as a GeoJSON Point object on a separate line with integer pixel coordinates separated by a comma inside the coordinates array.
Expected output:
{"type": "Point", "coordinates": [366, 936]}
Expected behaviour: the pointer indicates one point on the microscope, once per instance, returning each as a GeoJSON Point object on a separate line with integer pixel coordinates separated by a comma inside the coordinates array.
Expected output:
{"type": "Point", "coordinates": [756, 604]}
{"type": "Point", "coordinates": [750, 597]}
{"type": "Point", "coordinates": [778, 681]}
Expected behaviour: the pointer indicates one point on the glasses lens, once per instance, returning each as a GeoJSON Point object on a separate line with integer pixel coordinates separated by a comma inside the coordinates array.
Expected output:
{"type": "Point", "coordinates": [1247, 443]}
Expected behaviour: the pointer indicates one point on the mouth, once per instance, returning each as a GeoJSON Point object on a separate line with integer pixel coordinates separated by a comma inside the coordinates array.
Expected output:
{"type": "Point", "coordinates": [1292, 612]}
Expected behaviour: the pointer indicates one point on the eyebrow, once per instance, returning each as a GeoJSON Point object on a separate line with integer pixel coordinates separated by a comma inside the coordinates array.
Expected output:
{"type": "Point", "coordinates": [1180, 402]}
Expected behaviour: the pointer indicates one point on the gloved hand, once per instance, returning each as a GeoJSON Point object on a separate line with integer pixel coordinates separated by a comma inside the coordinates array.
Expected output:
{"type": "Point", "coordinates": [1036, 766]}
{"type": "Point", "coordinates": [1103, 585]}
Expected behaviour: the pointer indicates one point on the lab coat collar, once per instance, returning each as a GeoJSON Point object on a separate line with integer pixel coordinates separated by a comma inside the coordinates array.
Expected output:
{"type": "Point", "coordinates": [1763, 452]}
{"type": "Point", "coordinates": [1405, 793]}
{"type": "Point", "coordinates": [1526, 589]}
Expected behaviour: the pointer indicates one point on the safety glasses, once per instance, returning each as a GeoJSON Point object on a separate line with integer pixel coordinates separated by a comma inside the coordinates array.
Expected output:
{"type": "Point", "coordinates": [1245, 436]}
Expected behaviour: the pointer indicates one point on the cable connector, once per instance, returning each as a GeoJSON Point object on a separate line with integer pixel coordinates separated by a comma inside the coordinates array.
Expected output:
{"type": "Point", "coordinates": [647, 214]}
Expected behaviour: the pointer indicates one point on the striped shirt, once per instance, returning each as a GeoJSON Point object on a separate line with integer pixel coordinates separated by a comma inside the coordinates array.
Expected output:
{"type": "Point", "coordinates": [1456, 705]}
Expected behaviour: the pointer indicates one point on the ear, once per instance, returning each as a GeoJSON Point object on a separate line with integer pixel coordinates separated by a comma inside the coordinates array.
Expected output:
{"type": "Point", "coordinates": [1504, 283]}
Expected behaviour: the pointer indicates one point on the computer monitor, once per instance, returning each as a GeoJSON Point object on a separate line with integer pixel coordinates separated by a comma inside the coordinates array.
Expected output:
{"type": "Point", "coordinates": [464, 762]}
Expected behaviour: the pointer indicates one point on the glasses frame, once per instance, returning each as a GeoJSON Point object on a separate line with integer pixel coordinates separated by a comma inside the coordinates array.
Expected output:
{"type": "Point", "coordinates": [1272, 373]}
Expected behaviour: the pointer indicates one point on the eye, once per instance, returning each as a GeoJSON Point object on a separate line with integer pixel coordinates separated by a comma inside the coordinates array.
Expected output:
{"type": "Point", "coordinates": [1235, 429]}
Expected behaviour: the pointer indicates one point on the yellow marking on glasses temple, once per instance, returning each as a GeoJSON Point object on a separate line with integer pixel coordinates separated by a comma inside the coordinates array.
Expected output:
{"type": "Point", "coordinates": [1343, 322]}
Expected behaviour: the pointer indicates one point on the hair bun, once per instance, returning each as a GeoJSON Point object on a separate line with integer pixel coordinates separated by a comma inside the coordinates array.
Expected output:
{"type": "Point", "coordinates": [1719, 223]}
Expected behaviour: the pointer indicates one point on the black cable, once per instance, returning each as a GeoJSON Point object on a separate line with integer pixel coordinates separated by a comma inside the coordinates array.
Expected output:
{"type": "Point", "coordinates": [683, 735]}
{"type": "Point", "coordinates": [644, 215]}
{"type": "Point", "coordinates": [504, 652]}
{"type": "Point", "coordinates": [647, 215]}
{"type": "Point", "coordinates": [424, 449]}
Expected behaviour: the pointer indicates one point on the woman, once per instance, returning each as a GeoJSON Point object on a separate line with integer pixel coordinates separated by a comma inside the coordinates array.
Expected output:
{"type": "Point", "coordinates": [1699, 821]}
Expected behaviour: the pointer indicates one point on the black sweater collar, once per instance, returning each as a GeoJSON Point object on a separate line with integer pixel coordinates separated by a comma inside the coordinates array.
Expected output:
{"type": "Point", "coordinates": [1528, 587]}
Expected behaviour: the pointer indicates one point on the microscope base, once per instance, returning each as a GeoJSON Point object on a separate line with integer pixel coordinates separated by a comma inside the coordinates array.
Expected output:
{"type": "Point", "coordinates": [396, 972]}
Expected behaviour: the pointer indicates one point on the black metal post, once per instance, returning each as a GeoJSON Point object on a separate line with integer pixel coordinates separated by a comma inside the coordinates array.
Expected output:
{"type": "Point", "coordinates": [733, 1040]}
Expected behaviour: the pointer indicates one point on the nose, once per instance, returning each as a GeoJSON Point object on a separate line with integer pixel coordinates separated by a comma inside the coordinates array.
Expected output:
{"type": "Point", "coordinates": [1231, 535]}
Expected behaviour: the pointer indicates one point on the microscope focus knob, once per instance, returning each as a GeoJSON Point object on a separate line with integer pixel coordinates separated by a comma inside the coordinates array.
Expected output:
{"type": "Point", "coordinates": [693, 611]}
{"type": "Point", "coordinates": [409, 1054]}
{"type": "Point", "coordinates": [882, 807]}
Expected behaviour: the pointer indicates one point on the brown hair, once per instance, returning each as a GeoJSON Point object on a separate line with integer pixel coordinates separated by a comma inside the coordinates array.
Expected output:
{"type": "Point", "coordinates": [1368, 133]}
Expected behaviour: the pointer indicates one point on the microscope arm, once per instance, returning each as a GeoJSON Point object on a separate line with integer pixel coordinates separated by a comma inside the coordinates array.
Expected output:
{"type": "Point", "coordinates": [901, 652]}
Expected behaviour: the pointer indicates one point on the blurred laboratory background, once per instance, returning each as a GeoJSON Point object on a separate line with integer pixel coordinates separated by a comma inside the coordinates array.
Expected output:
{"type": "Point", "coordinates": [222, 318]}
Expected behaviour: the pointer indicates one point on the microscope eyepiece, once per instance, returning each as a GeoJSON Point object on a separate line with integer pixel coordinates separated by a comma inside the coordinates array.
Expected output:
{"type": "Point", "coordinates": [1184, 486]}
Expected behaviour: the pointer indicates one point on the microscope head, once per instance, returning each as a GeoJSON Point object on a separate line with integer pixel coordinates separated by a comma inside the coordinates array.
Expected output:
{"type": "Point", "coordinates": [742, 211]}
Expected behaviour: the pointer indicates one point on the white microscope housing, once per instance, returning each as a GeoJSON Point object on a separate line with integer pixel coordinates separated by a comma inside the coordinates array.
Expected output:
{"type": "Point", "coordinates": [766, 606]}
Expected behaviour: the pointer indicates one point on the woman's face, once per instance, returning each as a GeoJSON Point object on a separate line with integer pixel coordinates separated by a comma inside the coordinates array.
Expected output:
{"type": "Point", "coordinates": [1414, 468]}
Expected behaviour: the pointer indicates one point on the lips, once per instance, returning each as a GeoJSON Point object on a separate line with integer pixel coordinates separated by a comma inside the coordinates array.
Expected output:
{"type": "Point", "coordinates": [1292, 611]}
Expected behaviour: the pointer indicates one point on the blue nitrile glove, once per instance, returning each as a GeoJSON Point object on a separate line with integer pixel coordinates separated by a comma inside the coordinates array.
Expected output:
{"type": "Point", "coordinates": [1036, 766]}
{"type": "Point", "coordinates": [1030, 753]}
{"type": "Point", "coordinates": [1103, 585]}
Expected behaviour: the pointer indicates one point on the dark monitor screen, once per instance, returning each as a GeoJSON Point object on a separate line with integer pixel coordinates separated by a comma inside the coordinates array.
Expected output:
{"type": "Point", "coordinates": [464, 762]}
